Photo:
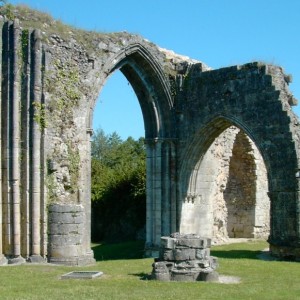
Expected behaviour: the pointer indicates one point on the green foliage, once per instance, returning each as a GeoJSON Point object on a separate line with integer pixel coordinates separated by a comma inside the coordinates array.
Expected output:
{"type": "Point", "coordinates": [64, 85]}
{"type": "Point", "coordinates": [74, 161]}
{"type": "Point", "coordinates": [7, 10]}
{"type": "Point", "coordinates": [118, 187]}
{"type": "Point", "coordinates": [40, 114]}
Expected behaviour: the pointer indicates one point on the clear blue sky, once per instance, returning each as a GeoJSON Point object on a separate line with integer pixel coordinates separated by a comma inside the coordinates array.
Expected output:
{"type": "Point", "coordinates": [218, 32]}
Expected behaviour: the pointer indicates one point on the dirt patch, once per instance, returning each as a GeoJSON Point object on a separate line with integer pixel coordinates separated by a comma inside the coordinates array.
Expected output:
{"type": "Point", "coordinates": [229, 279]}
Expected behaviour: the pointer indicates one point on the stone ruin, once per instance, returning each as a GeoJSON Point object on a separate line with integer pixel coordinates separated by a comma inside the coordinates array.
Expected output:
{"type": "Point", "coordinates": [51, 76]}
{"type": "Point", "coordinates": [185, 257]}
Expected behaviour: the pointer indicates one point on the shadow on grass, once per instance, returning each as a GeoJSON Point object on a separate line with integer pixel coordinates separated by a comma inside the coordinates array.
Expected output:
{"type": "Point", "coordinates": [115, 251]}
{"type": "Point", "coordinates": [143, 276]}
{"type": "Point", "coordinates": [236, 254]}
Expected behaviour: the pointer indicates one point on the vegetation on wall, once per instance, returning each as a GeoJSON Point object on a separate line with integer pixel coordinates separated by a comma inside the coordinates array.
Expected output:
{"type": "Point", "coordinates": [118, 187]}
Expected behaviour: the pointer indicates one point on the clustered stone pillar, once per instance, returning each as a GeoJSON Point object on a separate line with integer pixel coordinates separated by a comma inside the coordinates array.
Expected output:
{"type": "Point", "coordinates": [185, 257]}
{"type": "Point", "coordinates": [161, 192]}
{"type": "Point", "coordinates": [22, 162]}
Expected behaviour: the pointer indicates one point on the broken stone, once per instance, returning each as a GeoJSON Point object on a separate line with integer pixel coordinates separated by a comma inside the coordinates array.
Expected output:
{"type": "Point", "coordinates": [185, 258]}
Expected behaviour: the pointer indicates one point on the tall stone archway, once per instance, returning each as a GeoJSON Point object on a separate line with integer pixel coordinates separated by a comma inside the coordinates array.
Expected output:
{"type": "Point", "coordinates": [50, 83]}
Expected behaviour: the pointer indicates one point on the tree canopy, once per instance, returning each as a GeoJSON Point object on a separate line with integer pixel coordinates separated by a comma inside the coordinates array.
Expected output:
{"type": "Point", "coordinates": [118, 187]}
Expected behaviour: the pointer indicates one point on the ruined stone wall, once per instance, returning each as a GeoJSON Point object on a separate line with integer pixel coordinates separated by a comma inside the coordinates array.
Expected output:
{"type": "Point", "coordinates": [51, 79]}
{"type": "Point", "coordinates": [248, 97]}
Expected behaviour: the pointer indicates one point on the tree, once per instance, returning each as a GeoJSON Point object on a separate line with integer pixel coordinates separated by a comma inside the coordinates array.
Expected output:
{"type": "Point", "coordinates": [118, 187]}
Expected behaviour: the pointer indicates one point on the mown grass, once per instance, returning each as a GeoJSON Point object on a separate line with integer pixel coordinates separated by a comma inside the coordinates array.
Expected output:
{"type": "Point", "coordinates": [127, 273]}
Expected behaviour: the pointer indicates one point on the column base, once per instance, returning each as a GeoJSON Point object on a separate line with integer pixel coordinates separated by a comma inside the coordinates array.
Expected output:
{"type": "Point", "coordinates": [17, 260]}
{"type": "Point", "coordinates": [80, 261]}
{"type": "Point", "coordinates": [3, 260]}
{"type": "Point", "coordinates": [36, 259]}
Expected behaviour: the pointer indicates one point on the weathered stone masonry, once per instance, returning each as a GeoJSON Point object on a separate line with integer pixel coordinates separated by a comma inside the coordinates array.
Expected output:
{"type": "Point", "coordinates": [50, 82]}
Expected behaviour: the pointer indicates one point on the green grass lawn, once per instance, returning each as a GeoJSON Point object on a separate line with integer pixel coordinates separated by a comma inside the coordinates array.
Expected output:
{"type": "Point", "coordinates": [127, 273]}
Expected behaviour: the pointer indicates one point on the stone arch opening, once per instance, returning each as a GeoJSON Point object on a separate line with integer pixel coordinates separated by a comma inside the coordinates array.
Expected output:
{"type": "Point", "coordinates": [152, 91]}
{"type": "Point", "coordinates": [149, 84]}
{"type": "Point", "coordinates": [245, 195]}
{"type": "Point", "coordinates": [120, 215]}
{"type": "Point", "coordinates": [117, 109]}
{"type": "Point", "coordinates": [226, 191]}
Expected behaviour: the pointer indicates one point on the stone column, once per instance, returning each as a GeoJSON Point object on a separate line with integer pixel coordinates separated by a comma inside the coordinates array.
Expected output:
{"type": "Point", "coordinates": [166, 189]}
{"type": "Point", "coordinates": [161, 192]}
{"type": "Point", "coordinates": [149, 194]}
{"type": "Point", "coordinates": [6, 222]}
{"type": "Point", "coordinates": [3, 260]}
{"type": "Point", "coordinates": [25, 163]}
{"type": "Point", "coordinates": [88, 253]}
{"type": "Point", "coordinates": [173, 194]}
{"type": "Point", "coordinates": [169, 224]}
{"type": "Point", "coordinates": [35, 153]}
{"type": "Point", "coordinates": [14, 152]}
{"type": "Point", "coordinates": [157, 189]}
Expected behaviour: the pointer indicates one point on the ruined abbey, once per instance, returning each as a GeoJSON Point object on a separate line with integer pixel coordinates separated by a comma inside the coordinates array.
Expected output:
{"type": "Point", "coordinates": [222, 145]}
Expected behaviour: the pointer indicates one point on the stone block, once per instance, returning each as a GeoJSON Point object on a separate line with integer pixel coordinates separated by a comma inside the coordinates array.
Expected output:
{"type": "Point", "coordinates": [65, 251]}
{"type": "Point", "coordinates": [166, 254]}
{"type": "Point", "coordinates": [183, 275]}
{"type": "Point", "coordinates": [184, 254]}
{"type": "Point", "coordinates": [204, 263]}
{"type": "Point", "coordinates": [161, 276]}
{"type": "Point", "coordinates": [66, 239]}
{"type": "Point", "coordinates": [209, 275]}
{"type": "Point", "coordinates": [160, 271]}
{"type": "Point", "coordinates": [64, 229]}
{"type": "Point", "coordinates": [202, 253]}
{"type": "Point", "coordinates": [168, 242]}
{"type": "Point", "coordinates": [213, 262]}
{"type": "Point", "coordinates": [65, 208]}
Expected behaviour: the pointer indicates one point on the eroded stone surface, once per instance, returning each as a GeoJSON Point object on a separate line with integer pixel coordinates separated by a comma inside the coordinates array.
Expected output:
{"type": "Point", "coordinates": [185, 257]}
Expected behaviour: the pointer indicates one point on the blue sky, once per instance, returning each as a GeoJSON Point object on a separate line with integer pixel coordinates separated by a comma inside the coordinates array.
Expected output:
{"type": "Point", "coordinates": [218, 32]}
